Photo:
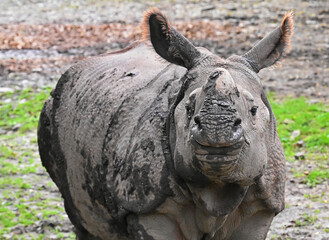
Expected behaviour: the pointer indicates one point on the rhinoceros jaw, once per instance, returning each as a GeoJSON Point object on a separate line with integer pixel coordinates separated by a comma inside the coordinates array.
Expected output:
{"type": "Point", "coordinates": [228, 149]}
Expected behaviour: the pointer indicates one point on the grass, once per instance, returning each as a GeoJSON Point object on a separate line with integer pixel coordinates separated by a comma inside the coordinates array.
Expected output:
{"type": "Point", "coordinates": [310, 120]}
{"type": "Point", "coordinates": [23, 202]}
{"type": "Point", "coordinates": [316, 176]}
{"type": "Point", "coordinates": [304, 128]}
{"type": "Point", "coordinates": [316, 198]}
{"type": "Point", "coordinates": [306, 219]}
{"type": "Point", "coordinates": [24, 113]}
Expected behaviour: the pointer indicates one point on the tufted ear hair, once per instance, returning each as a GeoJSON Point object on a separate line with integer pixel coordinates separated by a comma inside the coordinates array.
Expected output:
{"type": "Point", "coordinates": [166, 41]}
{"type": "Point", "coordinates": [272, 47]}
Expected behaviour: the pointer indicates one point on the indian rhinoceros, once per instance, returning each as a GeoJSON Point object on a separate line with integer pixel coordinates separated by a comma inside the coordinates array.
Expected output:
{"type": "Point", "coordinates": [164, 140]}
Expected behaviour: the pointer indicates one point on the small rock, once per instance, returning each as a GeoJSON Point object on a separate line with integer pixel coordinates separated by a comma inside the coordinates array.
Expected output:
{"type": "Point", "coordinates": [299, 143]}
{"type": "Point", "coordinates": [37, 70]}
{"type": "Point", "coordinates": [25, 83]}
{"type": "Point", "coordinates": [8, 235]}
{"type": "Point", "coordinates": [16, 127]}
{"type": "Point", "coordinates": [11, 75]}
{"type": "Point", "coordinates": [295, 134]}
{"type": "Point", "coordinates": [288, 121]}
{"type": "Point", "coordinates": [6, 90]}
{"type": "Point", "coordinates": [52, 236]}
{"type": "Point", "coordinates": [299, 156]}
{"type": "Point", "coordinates": [291, 79]}
{"type": "Point", "coordinates": [18, 230]}
{"type": "Point", "coordinates": [313, 101]}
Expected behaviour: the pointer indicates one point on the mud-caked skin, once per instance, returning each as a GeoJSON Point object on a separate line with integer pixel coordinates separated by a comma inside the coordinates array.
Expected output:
{"type": "Point", "coordinates": [183, 147]}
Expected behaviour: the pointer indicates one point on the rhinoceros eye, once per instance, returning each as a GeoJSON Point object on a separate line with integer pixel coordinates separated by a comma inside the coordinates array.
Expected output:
{"type": "Point", "coordinates": [215, 74]}
{"type": "Point", "coordinates": [190, 106]}
{"type": "Point", "coordinates": [189, 110]}
{"type": "Point", "coordinates": [253, 110]}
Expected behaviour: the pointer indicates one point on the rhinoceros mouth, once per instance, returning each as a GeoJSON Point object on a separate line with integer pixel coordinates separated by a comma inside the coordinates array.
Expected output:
{"type": "Point", "coordinates": [224, 150]}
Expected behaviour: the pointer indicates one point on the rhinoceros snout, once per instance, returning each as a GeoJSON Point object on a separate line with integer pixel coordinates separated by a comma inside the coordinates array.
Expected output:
{"type": "Point", "coordinates": [217, 130]}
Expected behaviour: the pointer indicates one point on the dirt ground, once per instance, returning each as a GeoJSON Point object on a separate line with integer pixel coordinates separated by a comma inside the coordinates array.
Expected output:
{"type": "Point", "coordinates": [40, 39]}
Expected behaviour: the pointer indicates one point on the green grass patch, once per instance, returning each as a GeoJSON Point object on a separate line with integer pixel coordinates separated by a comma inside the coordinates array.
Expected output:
{"type": "Point", "coordinates": [316, 176]}
{"type": "Point", "coordinates": [306, 220]}
{"type": "Point", "coordinates": [16, 182]}
{"type": "Point", "coordinates": [24, 109]}
{"type": "Point", "coordinates": [19, 209]}
{"type": "Point", "coordinates": [303, 127]}
{"type": "Point", "coordinates": [6, 217]}
{"type": "Point", "coordinates": [6, 152]}
{"type": "Point", "coordinates": [47, 213]}
{"type": "Point", "coordinates": [23, 203]}
{"type": "Point", "coordinates": [316, 198]}
{"type": "Point", "coordinates": [311, 121]}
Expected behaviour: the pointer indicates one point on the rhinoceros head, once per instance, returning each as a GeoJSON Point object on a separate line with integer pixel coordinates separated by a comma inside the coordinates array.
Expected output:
{"type": "Point", "coordinates": [223, 124]}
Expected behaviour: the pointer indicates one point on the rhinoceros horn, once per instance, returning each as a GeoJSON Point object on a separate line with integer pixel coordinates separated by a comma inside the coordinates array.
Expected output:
{"type": "Point", "coordinates": [272, 47]}
{"type": "Point", "coordinates": [167, 42]}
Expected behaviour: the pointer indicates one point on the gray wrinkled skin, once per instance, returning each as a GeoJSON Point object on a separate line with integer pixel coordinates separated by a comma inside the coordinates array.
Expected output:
{"type": "Point", "coordinates": [186, 148]}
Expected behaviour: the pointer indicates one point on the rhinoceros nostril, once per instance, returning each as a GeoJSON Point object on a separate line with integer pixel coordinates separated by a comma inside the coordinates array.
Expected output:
{"type": "Point", "coordinates": [237, 122]}
{"type": "Point", "coordinates": [197, 120]}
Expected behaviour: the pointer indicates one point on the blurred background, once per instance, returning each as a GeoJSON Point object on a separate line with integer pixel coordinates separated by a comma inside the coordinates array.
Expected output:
{"type": "Point", "coordinates": [40, 39]}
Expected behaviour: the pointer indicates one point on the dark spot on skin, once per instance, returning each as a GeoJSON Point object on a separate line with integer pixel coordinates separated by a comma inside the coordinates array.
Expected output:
{"type": "Point", "coordinates": [189, 111]}
{"type": "Point", "coordinates": [237, 92]}
{"type": "Point", "coordinates": [101, 76]}
{"type": "Point", "coordinates": [141, 176]}
{"type": "Point", "coordinates": [205, 236]}
{"type": "Point", "coordinates": [46, 121]}
{"type": "Point", "coordinates": [190, 107]}
{"type": "Point", "coordinates": [237, 122]}
{"type": "Point", "coordinates": [257, 177]}
{"type": "Point", "coordinates": [197, 120]}
{"type": "Point", "coordinates": [131, 190]}
{"type": "Point", "coordinates": [54, 94]}
{"type": "Point", "coordinates": [253, 110]}
{"type": "Point", "coordinates": [147, 144]}
{"type": "Point", "coordinates": [130, 74]}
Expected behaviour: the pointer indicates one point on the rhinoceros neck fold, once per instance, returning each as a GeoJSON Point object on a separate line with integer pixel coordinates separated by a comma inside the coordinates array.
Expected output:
{"type": "Point", "coordinates": [218, 200]}
{"type": "Point", "coordinates": [169, 132]}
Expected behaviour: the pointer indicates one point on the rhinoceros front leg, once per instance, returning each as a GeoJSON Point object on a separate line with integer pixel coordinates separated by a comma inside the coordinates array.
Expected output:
{"type": "Point", "coordinates": [255, 227]}
{"type": "Point", "coordinates": [153, 227]}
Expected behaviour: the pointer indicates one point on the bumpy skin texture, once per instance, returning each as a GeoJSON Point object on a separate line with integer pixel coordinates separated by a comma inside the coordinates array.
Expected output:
{"type": "Point", "coordinates": [143, 148]}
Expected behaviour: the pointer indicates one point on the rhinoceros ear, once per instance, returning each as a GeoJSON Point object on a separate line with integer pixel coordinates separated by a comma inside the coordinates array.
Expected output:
{"type": "Point", "coordinates": [166, 41]}
{"type": "Point", "coordinates": [272, 47]}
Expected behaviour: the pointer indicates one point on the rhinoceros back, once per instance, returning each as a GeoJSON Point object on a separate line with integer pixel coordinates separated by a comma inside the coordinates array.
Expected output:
{"type": "Point", "coordinates": [100, 137]}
